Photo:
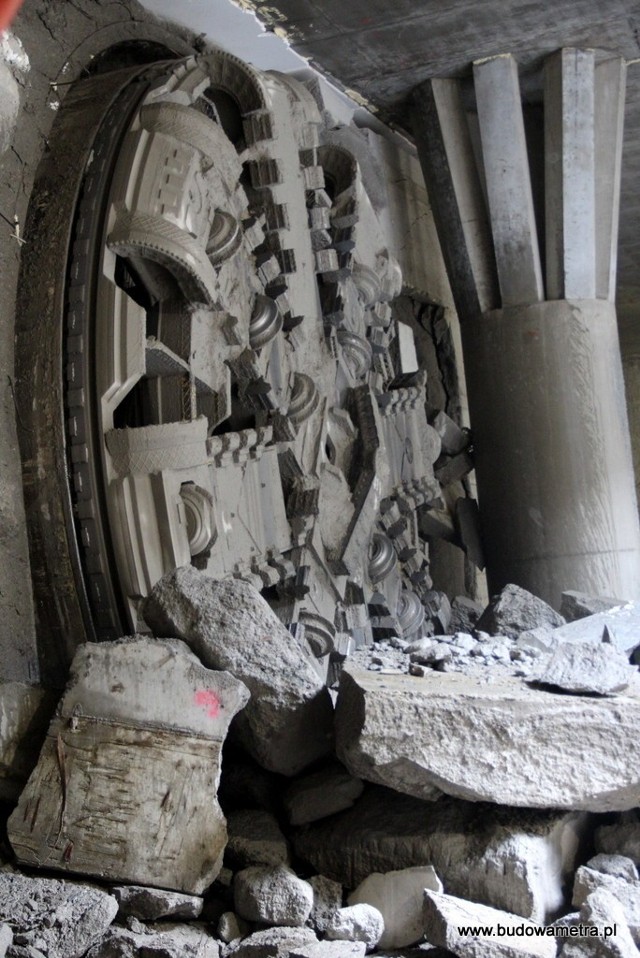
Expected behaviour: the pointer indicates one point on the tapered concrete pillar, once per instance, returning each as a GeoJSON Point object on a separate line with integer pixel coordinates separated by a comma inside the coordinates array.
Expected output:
{"type": "Point", "coordinates": [544, 378]}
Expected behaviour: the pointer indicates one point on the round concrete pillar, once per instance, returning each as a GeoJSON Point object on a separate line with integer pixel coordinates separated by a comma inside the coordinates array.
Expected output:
{"type": "Point", "coordinates": [553, 456]}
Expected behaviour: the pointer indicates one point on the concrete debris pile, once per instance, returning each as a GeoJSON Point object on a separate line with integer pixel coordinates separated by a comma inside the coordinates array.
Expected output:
{"type": "Point", "coordinates": [453, 806]}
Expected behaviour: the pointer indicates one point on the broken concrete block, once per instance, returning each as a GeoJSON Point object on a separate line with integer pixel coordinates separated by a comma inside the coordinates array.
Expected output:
{"type": "Point", "coordinates": [603, 912]}
{"type": "Point", "coordinates": [6, 938]}
{"type": "Point", "coordinates": [514, 610]}
{"type": "Point", "coordinates": [288, 723]}
{"type": "Point", "coordinates": [134, 746]}
{"type": "Point", "coordinates": [465, 613]}
{"type": "Point", "coordinates": [578, 605]}
{"type": "Point", "coordinates": [624, 890]}
{"type": "Point", "coordinates": [356, 923]}
{"type": "Point", "coordinates": [587, 668]}
{"type": "Point", "coordinates": [25, 712]}
{"type": "Point", "coordinates": [59, 918]}
{"type": "Point", "coordinates": [398, 896]}
{"type": "Point", "coordinates": [320, 794]}
{"type": "Point", "coordinates": [622, 624]}
{"type": "Point", "coordinates": [231, 927]}
{"type": "Point", "coordinates": [255, 838]}
{"type": "Point", "coordinates": [272, 895]}
{"type": "Point", "coordinates": [330, 949]}
{"type": "Point", "coordinates": [617, 865]}
{"type": "Point", "coordinates": [271, 943]}
{"type": "Point", "coordinates": [501, 742]}
{"type": "Point", "coordinates": [621, 838]}
{"type": "Point", "coordinates": [453, 438]}
{"type": "Point", "coordinates": [149, 904]}
{"type": "Point", "coordinates": [516, 860]}
{"type": "Point", "coordinates": [162, 940]}
{"type": "Point", "coordinates": [445, 916]}
{"type": "Point", "coordinates": [327, 899]}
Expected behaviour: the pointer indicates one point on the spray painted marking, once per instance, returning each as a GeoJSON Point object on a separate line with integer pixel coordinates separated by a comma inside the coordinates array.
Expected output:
{"type": "Point", "coordinates": [208, 701]}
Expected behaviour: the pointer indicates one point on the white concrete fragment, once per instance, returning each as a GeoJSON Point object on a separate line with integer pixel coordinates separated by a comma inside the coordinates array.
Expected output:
{"type": "Point", "coordinates": [134, 748]}
{"type": "Point", "coordinates": [602, 911]}
{"type": "Point", "coordinates": [587, 668]}
{"type": "Point", "coordinates": [149, 904]}
{"type": "Point", "coordinates": [398, 896]}
{"type": "Point", "coordinates": [229, 625]}
{"type": "Point", "coordinates": [500, 742]}
{"type": "Point", "coordinates": [255, 838]}
{"type": "Point", "coordinates": [230, 927]}
{"type": "Point", "coordinates": [625, 891]}
{"type": "Point", "coordinates": [445, 915]}
{"type": "Point", "coordinates": [622, 623]}
{"type": "Point", "coordinates": [273, 895]}
{"type": "Point", "coordinates": [6, 937]}
{"type": "Point", "coordinates": [60, 918]}
{"type": "Point", "coordinates": [321, 794]}
{"type": "Point", "coordinates": [356, 923]}
{"type": "Point", "coordinates": [617, 865]}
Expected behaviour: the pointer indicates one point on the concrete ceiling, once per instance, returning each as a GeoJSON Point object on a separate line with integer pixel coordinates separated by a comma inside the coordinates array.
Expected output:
{"type": "Point", "coordinates": [382, 50]}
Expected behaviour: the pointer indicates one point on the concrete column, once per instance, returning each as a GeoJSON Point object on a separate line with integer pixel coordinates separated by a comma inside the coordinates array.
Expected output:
{"type": "Point", "coordinates": [544, 378]}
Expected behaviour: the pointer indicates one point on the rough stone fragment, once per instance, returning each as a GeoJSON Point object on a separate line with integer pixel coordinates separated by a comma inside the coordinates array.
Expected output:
{"type": "Point", "coordinates": [320, 794]}
{"type": "Point", "coordinates": [25, 712]}
{"type": "Point", "coordinates": [288, 722]}
{"type": "Point", "coordinates": [271, 943]}
{"type": "Point", "coordinates": [6, 937]}
{"type": "Point", "coordinates": [622, 624]}
{"type": "Point", "coordinates": [465, 613]}
{"type": "Point", "coordinates": [617, 865]}
{"type": "Point", "coordinates": [134, 746]}
{"type": "Point", "coordinates": [356, 923]}
{"type": "Point", "coordinates": [578, 605]}
{"type": "Point", "coordinates": [514, 611]}
{"type": "Point", "coordinates": [444, 915]}
{"type": "Point", "coordinates": [255, 838]}
{"type": "Point", "coordinates": [398, 896]}
{"type": "Point", "coordinates": [230, 927]}
{"type": "Point", "coordinates": [601, 910]}
{"type": "Point", "coordinates": [516, 860]}
{"type": "Point", "coordinates": [621, 838]}
{"type": "Point", "coordinates": [330, 949]}
{"type": "Point", "coordinates": [158, 941]}
{"type": "Point", "coordinates": [59, 918]}
{"type": "Point", "coordinates": [625, 891]}
{"type": "Point", "coordinates": [500, 742]}
{"type": "Point", "coordinates": [273, 895]}
{"type": "Point", "coordinates": [597, 669]}
{"type": "Point", "coordinates": [327, 899]}
{"type": "Point", "coordinates": [149, 904]}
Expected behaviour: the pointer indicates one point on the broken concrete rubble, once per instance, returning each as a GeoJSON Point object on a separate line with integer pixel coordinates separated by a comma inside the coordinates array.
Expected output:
{"type": "Point", "coordinates": [626, 892]}
{"type": "Point", "coordinates": [622, 624]}
{"type": "Point", "coordinates": [59, 918]}
{"type": "Point", "coordinates": [587, 668]}
{"type": "Point", "coordinates": [499, 742]}
{"type": "Point", "coordinates": [164, 941]}
{"type": "Point", "coordinates": [617, 865]}
{"type": "Point", "coordinates": [356, 923]}
{"type": "Point", "coordinates": [271, 943]}
{"type": "Point", "coordinates": [6, 938]}
{"type": "Point", "coordinates": [320, 794]}
{"type": "Point", "coordinates": [601, 911]}
{"type": "Point", "coordinates": [398, 896]}
{"type": "Point", "coordinates": [288, 722]}
{"type": "Point", "coordinates": [327, 899]}
{"type": "Point", "coordinates": [149, 904]}
{"type": "Point", "coordinates": [514, 610]}
{"type": "Point", "coordinates": [578, 605]}
{"type": "Point", "coordinates": [114, 736]}
{"type": "Point", "coordinates": [254, 838]}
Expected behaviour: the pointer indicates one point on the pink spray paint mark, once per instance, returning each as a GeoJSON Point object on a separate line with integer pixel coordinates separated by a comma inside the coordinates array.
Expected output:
{"type": "Point", "coordinates": [209, 701]}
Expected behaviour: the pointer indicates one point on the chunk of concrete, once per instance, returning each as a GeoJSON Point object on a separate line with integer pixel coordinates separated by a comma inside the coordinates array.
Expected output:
{"type": "Point", "coordinates": [59, 918]}
{"type": "Point", "coordinates": [330, 949]}
{"type": "Point", "coordinates": [327, 899]}
{"type": "Point", "coordinates": [149, 904]}
{"type": "Point", "coordinates": [622, 624]}
{"type": "Point", "coordinates": [288, 723]}
{"type": "Point", "coordinates": [320, 794]}
{"type": "Point", "coordinates": [453, 438]}
{"type": "Point", "coordinates": [620, 838]}
{"type": "Point", "coordinates": [465, 613]}
{"type": "Point", "coordinates": [255, 838]}
{"type": "Point", "coordinates": [578, 605]}
{"type": "Point", "coordinates": [516, 860]}
{"type": "Point", "coordinates": [398, 896]}
{"type": "Point", "coordinates": [514, 610]}
{"type": "Point", "coordinates": [602, 911]}
{"type": "Point", "coordinates": [587, 668]}
{"type": "Point", "coordinates": [356, 923]}
{"type": "Point", "coordinates": [231, 927]}
{"type": "Point", "coordinates": [25, 713]}
{"type": "Point", "coordinates": [499, 742]}
{"type": "Point", "coordinates": [625, 891]}
{"type": "Point", "coordinates": [160, 941]}
{"type": "Point", "coordinates": [446, 916]}
{"type": "Point", "coordinates": [272, 895]}
{"type": "Point", "coordinates": [6, 938]}
{"type": "Point", "coordinates": [271, 943]}
{"type": "Point", "coordinates": [125, 787]}
{"type": "Point", "coordinates": [617, 865]}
